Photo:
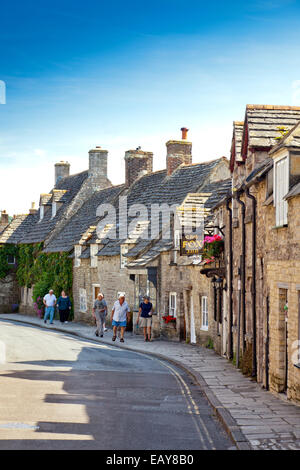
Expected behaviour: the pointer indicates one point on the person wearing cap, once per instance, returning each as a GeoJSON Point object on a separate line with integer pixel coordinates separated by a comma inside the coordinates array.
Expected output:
{"type": "Point", "coordinates": [119, 316]}
{"type": "Point", "coordinates": [144, 318]}
{"type": "Point", "coordinates": [99, 312]}
{"type": "Point", "coordinates": [49, 301]}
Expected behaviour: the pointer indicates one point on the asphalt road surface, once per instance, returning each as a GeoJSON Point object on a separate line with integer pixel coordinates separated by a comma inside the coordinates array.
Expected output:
{"type": "Point", "coordinates": [60, 392]}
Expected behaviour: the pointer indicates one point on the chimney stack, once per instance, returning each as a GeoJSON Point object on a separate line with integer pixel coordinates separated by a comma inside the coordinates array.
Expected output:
{"type": "Point", "coordinates": [4, 218]}
{"type": "Point", "coordinates": [178, 152]}
{"type": "Point", "coordinates": [137, 163]}
{"type": "Point", "coordinates": [32, 210]}
{"type": "Point", "coordinates": [62, 170]}
{"type": "Point", "coordinates": [98, 163]}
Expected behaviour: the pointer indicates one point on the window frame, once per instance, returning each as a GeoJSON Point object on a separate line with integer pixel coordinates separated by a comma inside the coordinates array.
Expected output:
{"type": "Point", "coordinates": [82, 295]}
{"type": "Point", "coordinates": [204, 312]}
{"type": "Point", "coordinates": [173, 310]}
{"type": "Point", "coordinates": [281, 206]}
{"type": "Point", "coordinates": [123, 259]}
{"type": "Point", "coordinates": [93, 255]}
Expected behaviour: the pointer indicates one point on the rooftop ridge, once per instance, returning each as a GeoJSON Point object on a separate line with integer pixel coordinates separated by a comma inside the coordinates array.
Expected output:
{"type": "Point", "coordinates": [272, 106]}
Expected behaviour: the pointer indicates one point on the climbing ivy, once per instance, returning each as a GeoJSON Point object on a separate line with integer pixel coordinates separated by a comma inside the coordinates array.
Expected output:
{"type": "Point", "coordinates": [5, 252]}
{"type": "Point", "coordinates": [44, 271]}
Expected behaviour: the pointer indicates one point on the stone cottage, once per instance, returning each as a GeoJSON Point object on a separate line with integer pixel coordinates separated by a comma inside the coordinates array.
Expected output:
{"type": "Point", "coordinates": [139, 264]}
{"type": "Point", "coordinates": [261, 236]}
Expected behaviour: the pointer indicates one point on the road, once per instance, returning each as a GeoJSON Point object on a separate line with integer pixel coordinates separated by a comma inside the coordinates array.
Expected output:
{"type": "Point", "coordinates": [61, 392]}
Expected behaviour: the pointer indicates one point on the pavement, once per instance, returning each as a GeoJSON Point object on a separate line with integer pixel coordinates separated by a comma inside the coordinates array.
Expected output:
{"type": "Point", "coordinates": [253, 417]}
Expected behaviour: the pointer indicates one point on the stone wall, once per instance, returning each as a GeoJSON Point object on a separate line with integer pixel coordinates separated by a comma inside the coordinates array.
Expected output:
{"type": "Point", "coordinates": [9, 293]}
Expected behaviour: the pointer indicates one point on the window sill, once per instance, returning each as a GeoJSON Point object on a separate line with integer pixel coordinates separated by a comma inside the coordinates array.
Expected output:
{"type": "Point", "coordinates": [277, 227]}
{"type": "Point", "coordinates": [204, 328]}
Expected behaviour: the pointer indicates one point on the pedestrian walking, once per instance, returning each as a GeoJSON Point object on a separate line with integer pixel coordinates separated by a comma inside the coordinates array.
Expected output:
{"type": "Point", "coordinates": [64, 307]}
{"type": "Point", "coordinates": [144, 319]}
{"type": "Point", "coordinates": [100, 312]}
{"type": "Point", "coordinates": [49, 301]}
{"type": "Point", "coordinates": [119, 316]}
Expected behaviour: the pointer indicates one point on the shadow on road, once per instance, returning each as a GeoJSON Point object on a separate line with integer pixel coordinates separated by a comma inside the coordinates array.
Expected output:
{"type": "Point", "coordinates": [114, 399]}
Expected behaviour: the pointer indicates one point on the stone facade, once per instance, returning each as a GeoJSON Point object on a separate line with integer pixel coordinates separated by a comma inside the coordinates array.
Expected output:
{"type": "Point", "coordinates": [9, 293]}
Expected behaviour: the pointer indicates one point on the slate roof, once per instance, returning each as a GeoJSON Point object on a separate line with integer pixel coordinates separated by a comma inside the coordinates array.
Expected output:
{"type": "Point", "coordinates": [143, 256]}
{"type": "Point", "coordinates": [295, 191]}
{"type": "Point", "coordinates": [41, 228]}
{"type": "Point", "coordinates": [14, 232]}
{"type": "Point", "coordinates": [85, 217]}
{"type": "Point", "coordinates": [262, 123]}
{"type": "Point", "coordinates": [158, 188]}
{"type": "Point", "coordinates": [290, 141]}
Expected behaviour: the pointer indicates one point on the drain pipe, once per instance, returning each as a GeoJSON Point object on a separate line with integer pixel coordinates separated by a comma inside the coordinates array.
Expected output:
{"type": "Point", "coordinates": [230, 340]}
{"type": "Point", "coordinates": [253, 287]}
{"type": "Point", "coordinates": [243, 268]}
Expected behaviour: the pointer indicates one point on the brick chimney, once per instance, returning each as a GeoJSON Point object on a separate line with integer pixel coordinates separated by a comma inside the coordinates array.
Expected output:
{"type": "Point", "coordinates": [137, 163]}
{"type": "Point", "coordinates": [178, 152]}
{"type": "Point", "coordinates": [33, 210]}
{"type": "Point", "coordinates": [98, 163]}
{"type": "Point", "coordinates": [3, 220]}
{"type": "Point", "coordinates": [62, 170]}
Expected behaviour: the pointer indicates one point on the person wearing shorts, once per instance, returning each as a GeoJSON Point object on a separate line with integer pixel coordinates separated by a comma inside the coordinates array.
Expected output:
{"type": "Point", "coordinates": [145, 317]}
{"type": "Point", "coordinates": [119, 316]}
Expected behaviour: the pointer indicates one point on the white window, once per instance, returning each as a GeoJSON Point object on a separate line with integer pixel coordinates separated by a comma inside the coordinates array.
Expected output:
{"type": "Point", "coordinates": [82, 300]}
{"type": "Point", "coordinates": [123, 259]}
{"type": "Point", "coordinates": [94, 259]}
{"type": "Point", "coordinates": [172, 304]}
{"type": "Point", "coordinates": [204, 313]}
{"type": "Point", "coordinates": [281, 187]}
{"type": "Point", "coordinates": [77, 251]}
{"type": "Point", "coordinates": [11, 259]}
{"type": "Point", "coordinates": [41, 212]}
{"type": "Point", "coordinates": [53, 209]}
{"type": "Point", "coordinates": [177, 239]}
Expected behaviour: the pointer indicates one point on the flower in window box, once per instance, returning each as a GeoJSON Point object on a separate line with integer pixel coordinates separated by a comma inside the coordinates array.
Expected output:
{"type": "Point", "coordinates": [212, 248]}
{"type": "Point", "coordinates": [169, 319]}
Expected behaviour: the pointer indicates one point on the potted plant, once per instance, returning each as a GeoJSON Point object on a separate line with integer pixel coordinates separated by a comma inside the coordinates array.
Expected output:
{"type": "Point", "coordinates": [212, 248]}
{"type": "Point", "coordinates": [169, 319]}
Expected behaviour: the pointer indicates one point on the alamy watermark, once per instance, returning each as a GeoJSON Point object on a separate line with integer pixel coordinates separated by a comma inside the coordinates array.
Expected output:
{"type": "Point", "coordinates": [135, 221]}
{"type": "Point", "coordinates": [2, 92]}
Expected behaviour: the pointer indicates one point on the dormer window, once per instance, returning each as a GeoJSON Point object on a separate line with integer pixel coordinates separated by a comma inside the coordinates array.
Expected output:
{"type": "Point", "coordinates": [123, 258]}
{"type": "Point", "coordinates": [281, 188]}
{"type": "Point", "coordinates": [93, 252]}
{"type": "Point", "coordinates": [54, 207]}
{"type": "Point", "coordinates": [77, 253]}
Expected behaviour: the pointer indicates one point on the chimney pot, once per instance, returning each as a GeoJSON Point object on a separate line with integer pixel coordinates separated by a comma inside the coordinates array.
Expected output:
{"type": "Point", "coordinates": [184, 131]}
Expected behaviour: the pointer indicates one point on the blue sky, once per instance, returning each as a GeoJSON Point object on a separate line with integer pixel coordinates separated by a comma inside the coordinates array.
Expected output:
{"type": "Point", "coordinates": [123, 74]}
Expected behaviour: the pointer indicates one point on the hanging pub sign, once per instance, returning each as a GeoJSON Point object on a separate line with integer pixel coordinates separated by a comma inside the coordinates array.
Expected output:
{"type": "Point", "coordinates": [191, 244]}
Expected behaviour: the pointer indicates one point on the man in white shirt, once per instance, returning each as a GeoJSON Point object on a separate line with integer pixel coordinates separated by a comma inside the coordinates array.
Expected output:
{"type": "Point", "coordinates": [119, 316]}
{"type": "Point", "coordinates": [49, 302]}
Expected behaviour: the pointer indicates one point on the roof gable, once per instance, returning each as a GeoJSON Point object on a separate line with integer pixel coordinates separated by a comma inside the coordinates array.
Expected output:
{"type": "Point", "coordinates": [263, 124]}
